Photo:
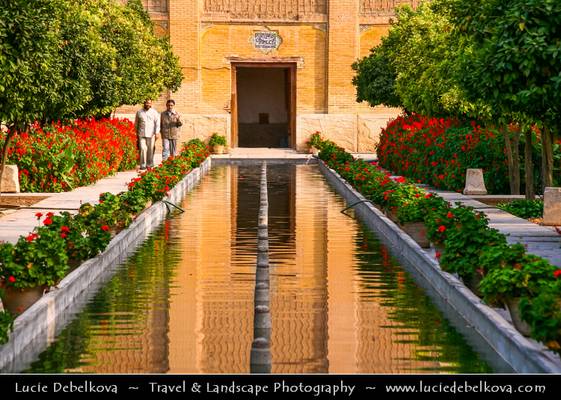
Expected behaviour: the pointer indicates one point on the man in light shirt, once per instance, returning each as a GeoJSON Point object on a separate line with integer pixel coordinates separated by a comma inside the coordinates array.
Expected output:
{"type": "Point", "coordinates": [147, 125]}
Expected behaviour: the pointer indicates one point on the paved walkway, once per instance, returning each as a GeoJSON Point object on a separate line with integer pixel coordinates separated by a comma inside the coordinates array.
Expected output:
{"type": "Point", "coordinates": [543, 241]}
{"type": "Point", "coordinates": [22, 221]}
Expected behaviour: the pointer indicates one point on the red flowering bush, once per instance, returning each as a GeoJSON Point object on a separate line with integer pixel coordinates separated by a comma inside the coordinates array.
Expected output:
{"type": "Point", "coordinates": [438, 151]}
{"type": "Point", "coordinates": [57, 158]}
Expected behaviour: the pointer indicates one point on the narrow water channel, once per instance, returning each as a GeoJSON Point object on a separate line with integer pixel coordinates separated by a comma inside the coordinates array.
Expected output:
{"type": "Point", "coordinates": [183, 303]}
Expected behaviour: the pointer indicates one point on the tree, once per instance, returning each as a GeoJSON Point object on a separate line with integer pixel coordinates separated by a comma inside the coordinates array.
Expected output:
{"type": "Point", "coordinates": [375, 79]}
{"type": "Point", "coordinates": [30, 67]}
{"type": "Point", "coordinates": [64, 59]}
{"type": "Point", "coordinates": [139, 65]}
{"type": "Point", "coordinates": [415, 66]}
{"type": "Point", "coordinates": [515, 62]}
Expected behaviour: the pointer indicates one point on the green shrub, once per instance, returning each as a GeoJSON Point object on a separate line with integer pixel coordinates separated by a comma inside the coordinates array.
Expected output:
{"type": "Point", "coordinates": [543, 313]}
{"type": "Point", "coordinates": [466, 241]}
{"type": "Point", "coordinates": [523, 208]}
{"type": "Point", "coordinates": [513, 273]}
{"type": "Point", "coordinates": [6, 325]}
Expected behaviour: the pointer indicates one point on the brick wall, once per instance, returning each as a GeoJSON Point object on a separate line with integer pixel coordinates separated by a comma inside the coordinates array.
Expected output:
{"type": "Point", "coordinates": [325, 39]}
{"type": "Point", "coordinates": [184, 21]}
{"type": "Point", "coordinates": [343, 47]}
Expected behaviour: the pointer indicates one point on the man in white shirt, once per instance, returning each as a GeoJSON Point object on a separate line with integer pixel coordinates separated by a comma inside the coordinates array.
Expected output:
{"type": "Point", "coordinates": [147, 125]}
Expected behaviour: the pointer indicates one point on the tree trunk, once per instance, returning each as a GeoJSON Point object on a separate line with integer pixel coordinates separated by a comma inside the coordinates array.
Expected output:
{"type": "Point", "coordinates": [508, 149]}
{"type": "Point", "coordinates": [5, 153]}
{"type": "Point", "coordinates": [516, 162]}
{"type": "Point", "coordinates": [511, 148]}
{"type": "Point", "coordinates": [547, 158]}
{"type": "Point", "coordinates": [528, 165]}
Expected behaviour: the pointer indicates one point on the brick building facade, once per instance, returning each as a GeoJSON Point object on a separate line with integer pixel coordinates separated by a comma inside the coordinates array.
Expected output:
{"type": "Point", "coordinates": [268, 73]}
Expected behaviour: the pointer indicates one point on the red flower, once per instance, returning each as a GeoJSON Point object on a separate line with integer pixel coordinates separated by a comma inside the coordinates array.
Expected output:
{"type": "Point", "coordinates": [64, 229]}
{"type": "Point", "coordinates": [557, 273]}
{"type": "Point", "coordinates": [400, 179]}
{"type": "Point", "coordinates": [50, 215]}
{"type": "Point", "coordinates": [47, 221]}
{"type": "Point", "coordinates": [450, 215]}
{"type": "Point", "coordinates": [39, 215]}
{"type": "Point", "coordinates": [437, 254]}
{"type": "Point", "coordinates": [12, 279]}
{"type": "Point", "coordinates": [441, 228]}
{"type": "Point", "coordinates": [63, 235]}
{"type": "Point", "coordinates": [104, 228]}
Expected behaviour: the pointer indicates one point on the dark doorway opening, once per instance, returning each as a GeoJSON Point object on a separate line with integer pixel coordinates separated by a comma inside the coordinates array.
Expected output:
{"type": "Point", "coordinates": [263, 107]}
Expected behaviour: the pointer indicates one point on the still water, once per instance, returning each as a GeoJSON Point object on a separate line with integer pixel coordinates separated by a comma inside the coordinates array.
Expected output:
{"type": "Point", "coordinates": [183, 303]}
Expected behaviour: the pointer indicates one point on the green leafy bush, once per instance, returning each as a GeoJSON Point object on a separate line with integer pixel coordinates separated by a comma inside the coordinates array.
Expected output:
{"type": "Point", "coordinates": [466, 241]}
{"type": "Point", "coordinates": [543, 313]}
{"type": "Point", "coordinates": [513, 273]}
{"type": "Point", "coordinates": [523, 208]}
{"type": "Point", "coordinates": [6, 325]}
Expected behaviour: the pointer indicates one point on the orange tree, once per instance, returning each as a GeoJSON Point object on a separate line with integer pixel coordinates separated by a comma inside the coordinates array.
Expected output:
{"type": "Point", "coordinates": [514, 63]}
{"type": "Point", "coordinates": [62, 59]}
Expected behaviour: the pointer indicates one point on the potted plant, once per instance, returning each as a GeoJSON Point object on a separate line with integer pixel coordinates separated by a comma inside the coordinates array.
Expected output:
{"type": "Point", "coordinates": [217, 143]}
{"type": "Point", "coordinates": [314, 143]}
{"type": "Point", "coordinates": [409, 211]}
{"type": "Point", "coordinates": [467, 238]}
{"type": "Point", "coordinates": [28, 268]}
{"type": "Point", "coordinates": [515, 274]}
{"type": "Point", "coordinates": [543, 313]}
{"type": "Point", "coordinates": [439, 218]}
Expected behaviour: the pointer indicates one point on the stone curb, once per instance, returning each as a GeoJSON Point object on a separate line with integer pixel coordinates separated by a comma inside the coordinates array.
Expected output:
{"type": "Point", "coordinates": [521, 354]}
{"type": "Point", "coordinates": [38, 326]}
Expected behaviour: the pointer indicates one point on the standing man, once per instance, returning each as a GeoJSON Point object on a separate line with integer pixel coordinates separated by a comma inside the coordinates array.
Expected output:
{"type": "Point", "coordinates": [170, 123]}
{"type": "Point", "coordinates": [147, 125]}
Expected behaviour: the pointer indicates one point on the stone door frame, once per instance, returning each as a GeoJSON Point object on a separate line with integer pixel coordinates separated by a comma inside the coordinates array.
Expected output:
{"type": "Point", "coordinates": [290, 84]}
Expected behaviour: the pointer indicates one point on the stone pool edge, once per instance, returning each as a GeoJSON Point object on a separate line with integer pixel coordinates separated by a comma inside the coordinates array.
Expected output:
{"type": "Point", "coordinates": [38, 324]}
{"type": "Point", "coordinates": [521, 354]}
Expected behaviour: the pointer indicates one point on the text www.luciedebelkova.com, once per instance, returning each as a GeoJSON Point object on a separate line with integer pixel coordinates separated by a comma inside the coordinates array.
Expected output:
{"type": "Point", "coordinates": [465, 387]}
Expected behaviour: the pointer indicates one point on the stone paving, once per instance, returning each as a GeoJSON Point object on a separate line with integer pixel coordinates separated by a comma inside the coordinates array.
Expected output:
{"type": "Point", "coordinates": [21, 222]}
{"type": "Point", "coordinates": [241, 153]}
{"type": "Point", "coordinates": [543, 241]}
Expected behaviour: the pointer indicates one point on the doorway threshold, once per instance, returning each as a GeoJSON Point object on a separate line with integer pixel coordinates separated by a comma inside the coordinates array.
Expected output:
{"type": "Point", "coordinates": [261, 153]}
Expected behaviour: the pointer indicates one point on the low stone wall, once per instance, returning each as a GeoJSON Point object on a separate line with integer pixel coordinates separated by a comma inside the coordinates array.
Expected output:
{"type": "Point", "coordinates": [37, 327]}
{"type": "Point", "coordinates": [519, 353]}
{"type": "Point", "coordinates": [355, 132]}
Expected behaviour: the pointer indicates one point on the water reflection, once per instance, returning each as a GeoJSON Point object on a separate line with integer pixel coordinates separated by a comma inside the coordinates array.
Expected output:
{"type": "Point", "coordinates": [184, 301]}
